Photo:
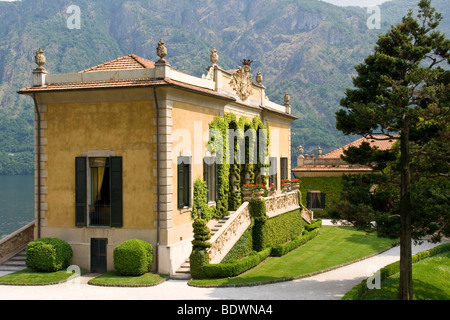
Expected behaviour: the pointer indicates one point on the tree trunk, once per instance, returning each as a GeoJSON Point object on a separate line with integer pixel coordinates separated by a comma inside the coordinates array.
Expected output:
{"type": "Point", "coordinates": [405, 286]}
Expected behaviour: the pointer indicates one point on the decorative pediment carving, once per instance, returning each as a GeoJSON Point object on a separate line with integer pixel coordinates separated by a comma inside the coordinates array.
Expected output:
{"type": "Point", "coordinates": [241, 80]}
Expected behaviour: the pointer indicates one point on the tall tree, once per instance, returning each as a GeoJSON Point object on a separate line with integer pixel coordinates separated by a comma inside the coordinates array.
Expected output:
{"type": "Point", "coordinates": [400, 91]}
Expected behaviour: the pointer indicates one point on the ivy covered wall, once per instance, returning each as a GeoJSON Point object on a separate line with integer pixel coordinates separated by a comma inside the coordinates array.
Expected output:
{"type": "Point", "coordinates": [235, 167]}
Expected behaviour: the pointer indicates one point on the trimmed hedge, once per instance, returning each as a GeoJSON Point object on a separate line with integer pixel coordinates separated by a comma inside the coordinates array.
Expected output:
{"type": "Point", "coordinates": [282, 249]}
{"type": "Point", "coordinates": [277, 230]}
{"type": "Point", "coordinates": [133, 257]}
{"type": "Point", "coordinates": [223, 270]}
{"type": "Point", "coordinates": [357, 291]}
{"type": "Point", "coordinates": [48, 254]}
{"type": "Point", "coordinates": [314, 225]}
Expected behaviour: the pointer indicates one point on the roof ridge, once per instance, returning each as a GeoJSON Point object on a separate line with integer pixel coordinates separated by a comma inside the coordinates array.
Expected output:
{"type": "Point", "coordinates": [144, 63]}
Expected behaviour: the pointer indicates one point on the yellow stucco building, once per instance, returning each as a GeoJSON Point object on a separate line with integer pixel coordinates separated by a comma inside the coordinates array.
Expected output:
{"type": "Point", "coordinates": [109, 141]}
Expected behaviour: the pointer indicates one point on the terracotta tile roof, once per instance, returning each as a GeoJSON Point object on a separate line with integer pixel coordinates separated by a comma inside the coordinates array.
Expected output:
{"type": "Point", "coordinates": [341, 168]}
{"type": "Point", "coordinates": [380, 144]}
{"type": "Point", "coordinates": [94, 85]}
{"type": "Point", "coordinates": [131, 61]}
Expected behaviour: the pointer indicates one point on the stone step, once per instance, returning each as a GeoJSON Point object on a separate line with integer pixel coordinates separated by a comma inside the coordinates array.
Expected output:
{"type": "Point", "coordinates": [15, 263]}
{"type": "Point", "coordinates": [184, 271]}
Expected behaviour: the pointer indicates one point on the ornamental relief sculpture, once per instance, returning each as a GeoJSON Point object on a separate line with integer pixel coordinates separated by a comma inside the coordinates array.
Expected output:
{"type": "Point", "coordinates": [241, 80]}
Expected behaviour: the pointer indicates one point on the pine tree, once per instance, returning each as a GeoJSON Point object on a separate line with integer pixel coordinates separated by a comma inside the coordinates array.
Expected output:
{"type": "Point", "coordinates": [401, 91]}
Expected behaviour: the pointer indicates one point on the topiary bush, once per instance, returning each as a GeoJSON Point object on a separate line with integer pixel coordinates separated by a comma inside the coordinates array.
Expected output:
{"type": "Point", "coordinates": [201, 235]}
{"type": "Point", "coordinates": [133, 257]}
{"type": "Point", "coordinates": [48, 254]}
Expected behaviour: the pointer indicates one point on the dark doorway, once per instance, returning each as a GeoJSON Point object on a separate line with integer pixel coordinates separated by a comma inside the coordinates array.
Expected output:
{"type": "Point", "coordinates": [315, 200]}
{"type": "Point", "coordinates": [98, 255]}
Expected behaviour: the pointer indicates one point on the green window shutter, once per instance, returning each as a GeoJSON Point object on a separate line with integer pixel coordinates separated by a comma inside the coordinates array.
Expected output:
{"type": "Point", "coordinates": [80, 191]}
{"type": "Point", "coordinates": [184, 182]}
{"type": "Point", "coordinates": [180, 183]}
{"type": "Point", "coordinates": [116, 190]}
{"type": "Point", "coordinates": [284, 168]}
{"type": "Point", "coordinates": [216, 182]}
{"type": "Point", "coordinates": [188, 178]}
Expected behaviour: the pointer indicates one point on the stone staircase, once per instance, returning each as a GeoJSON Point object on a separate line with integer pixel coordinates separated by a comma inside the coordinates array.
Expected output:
{"type": "Point", "coordinates": [15, 263]}
{"type": "Point", "coordinates": [183, 272]}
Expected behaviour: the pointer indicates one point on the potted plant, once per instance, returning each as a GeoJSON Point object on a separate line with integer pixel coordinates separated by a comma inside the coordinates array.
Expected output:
{"type": "Point", "coordinates": [247, 190]}
{"type": "Point", "coordinates": [272, 189]}
{"type": "Point", "coordinates": [285, 185]}
{"type": "Point", "coordinates": [258, 190]}
{"type": "Point", "coordinates": [295, 183]}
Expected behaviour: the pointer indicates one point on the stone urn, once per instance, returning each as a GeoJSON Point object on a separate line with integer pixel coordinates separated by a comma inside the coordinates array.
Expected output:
{"type": "Point", "coordinates": [247, 194]}
{"type": "Point", "coordinates": [259, 194]}
{"type": "Point", "coordinates": [295, 185]}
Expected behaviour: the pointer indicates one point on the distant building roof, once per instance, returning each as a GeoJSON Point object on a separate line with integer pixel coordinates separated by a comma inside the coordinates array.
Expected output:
{"type": "Point", "coordinates": [384, 144]}
{"type": "Point", "coordinates": [332, 162]}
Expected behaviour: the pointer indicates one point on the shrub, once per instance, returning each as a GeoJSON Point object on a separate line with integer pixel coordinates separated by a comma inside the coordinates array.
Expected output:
{"type": "Point", "coordinates": [282, 249]}
{"type": "Point", "coordinates": [314, 225]}
{"type": "Point", "coordinates": [48, 254]}
{"type": "Point", "coordinates": [133, 257]}
{"type": "Point", "coordinates": [223, 270]}
{"type": "Point", "coordinates": [198, 259]}
{"type": "Point", "coordinates": [276, 230]}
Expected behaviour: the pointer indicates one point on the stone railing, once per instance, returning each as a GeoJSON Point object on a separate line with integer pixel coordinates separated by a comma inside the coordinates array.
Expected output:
{"type": "Point", "coordinates": [307, 214]}
{"type": "Point", "coordinates": [16, 242]}
{"type": "Point", "coordinates": [285, 202]}
{"type": "Point", "coordinates": [282, 203]}
{"type": "Point", "coordinates": [230, 233]}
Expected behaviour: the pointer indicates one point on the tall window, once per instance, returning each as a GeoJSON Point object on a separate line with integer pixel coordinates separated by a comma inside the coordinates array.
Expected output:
{"type": "Point", "coordinates": [284, 174]}
{"type": "Point", "coordinates": [98, 191]}
{"type": "Point", "coordinates": [210, 177]}
{"type": "Point", "coordinates": [274, 172]}
{"type": "Point", "coordinates": [184, 182]}
{"type": "Point", "coordinates": [100, 200]}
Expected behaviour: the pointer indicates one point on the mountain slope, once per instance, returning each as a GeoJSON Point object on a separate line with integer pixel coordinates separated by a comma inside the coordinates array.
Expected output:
{"type": "Point", "coordinates": [305, 47]}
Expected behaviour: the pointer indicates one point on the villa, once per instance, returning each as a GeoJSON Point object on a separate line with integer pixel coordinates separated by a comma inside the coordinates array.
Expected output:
{"type": "Point", "coordinates": [119, 146]}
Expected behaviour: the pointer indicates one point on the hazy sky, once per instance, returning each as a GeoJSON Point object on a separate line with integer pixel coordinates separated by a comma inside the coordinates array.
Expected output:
{"type": "Point", "coordinates": [360, 3]}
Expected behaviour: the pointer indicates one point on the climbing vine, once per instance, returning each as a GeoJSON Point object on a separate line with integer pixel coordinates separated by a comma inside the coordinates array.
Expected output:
{"type": "Point", "coordinates": [232, 175]}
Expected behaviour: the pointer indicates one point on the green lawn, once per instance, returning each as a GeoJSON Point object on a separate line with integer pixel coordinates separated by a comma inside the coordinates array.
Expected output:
{"type": "Point", "coordinates": [333, 247]}
{"type": "Point", "coordinates": [28, 276]}
{"type": "Point", "coordinates": [431, 281]}
{"type": "Point", "coordinates": [112, 278]}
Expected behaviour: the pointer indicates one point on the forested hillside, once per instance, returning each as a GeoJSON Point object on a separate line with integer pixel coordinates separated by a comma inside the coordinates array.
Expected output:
{"type": "Point", "coordinates": [305, 47]}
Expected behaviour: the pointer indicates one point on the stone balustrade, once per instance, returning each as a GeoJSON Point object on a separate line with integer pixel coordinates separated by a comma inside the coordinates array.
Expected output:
{"type": "Point", "coordinates": [16, 242]}
{"type": "Point", "coordinates": [230, 233]}
{"type": "Point", "coordinates": [282, 203]}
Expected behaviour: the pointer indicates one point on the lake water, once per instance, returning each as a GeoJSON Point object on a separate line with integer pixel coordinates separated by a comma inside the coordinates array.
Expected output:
{"type": "Point", "coordinates": [16, 202]}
